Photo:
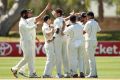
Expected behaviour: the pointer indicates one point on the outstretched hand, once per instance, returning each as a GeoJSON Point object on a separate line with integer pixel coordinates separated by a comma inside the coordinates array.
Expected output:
{"type": "Point", "coordinates": [72, 13]}
{"type": "Point", "coordinates": [48, 7]}
{"type": "Point", "coordinates": [39, 17]}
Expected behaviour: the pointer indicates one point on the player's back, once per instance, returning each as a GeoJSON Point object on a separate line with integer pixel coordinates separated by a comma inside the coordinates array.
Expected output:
{"type": "Point", "coordinates": [91, 28]}
{"type": "Point", "coordinates": [78, 31]}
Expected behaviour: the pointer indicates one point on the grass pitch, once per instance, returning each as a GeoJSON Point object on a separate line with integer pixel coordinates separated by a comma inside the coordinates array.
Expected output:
{"type": "Point", "coordinates": [107, 67]}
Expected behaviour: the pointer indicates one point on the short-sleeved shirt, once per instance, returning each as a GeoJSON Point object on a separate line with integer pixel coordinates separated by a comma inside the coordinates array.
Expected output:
{"type": "Point", "coordinates": [91, 28]}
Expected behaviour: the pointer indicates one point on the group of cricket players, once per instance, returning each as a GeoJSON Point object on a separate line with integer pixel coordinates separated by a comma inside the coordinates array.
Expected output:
{"type": "Point", "coordinates": [70, 44]}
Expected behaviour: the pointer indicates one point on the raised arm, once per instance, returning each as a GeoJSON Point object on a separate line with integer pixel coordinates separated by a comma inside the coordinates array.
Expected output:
{"type": "Point", "coordinates": [68, 17]}
{"type": "Point", "coordinates": [38, 18]}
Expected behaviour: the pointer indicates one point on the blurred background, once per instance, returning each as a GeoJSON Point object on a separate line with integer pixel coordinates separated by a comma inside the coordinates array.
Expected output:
{"type": "Point", "coordinates": [107, 12]}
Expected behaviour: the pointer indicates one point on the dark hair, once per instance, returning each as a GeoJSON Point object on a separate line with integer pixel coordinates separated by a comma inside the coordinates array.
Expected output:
{"type": "Point", "coordinates": [79, 18]}
{"type": "Point", "coordinates": [90, 13]}
{"type": "Point", "coordinates": [58, 10]}
{"type": "Point", "coordinates": [73, 18]}
{"type": "Point", "coordinates": [83, 14]}
{"type": "Point", "coordinates": [46, 17]}
{"type": "Point", "coordinates": [24, 13]}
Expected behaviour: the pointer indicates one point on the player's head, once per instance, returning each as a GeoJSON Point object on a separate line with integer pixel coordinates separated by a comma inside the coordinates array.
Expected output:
{"type": "Point", "coordinates": [26, 13]}
{"type": "Point", "coordinates": [73, 18]}
{"type": "Point", "coordinates": [30, 13]}
{"type": "Point", "coordinates": [58, 12]}
{"type": "Point", "coordinates": [83, 17]}
{"type": "Point", "coordinates": [47, 19]}
{"type": "Point", "coordinates": [90, 15]}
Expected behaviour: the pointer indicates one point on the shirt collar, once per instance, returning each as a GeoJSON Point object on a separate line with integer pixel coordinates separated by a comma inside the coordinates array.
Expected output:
{"type": "Point", "coordinates": [60, 17]}
{"type": "Point", "coordinates": [22, 19]}
{"type": "Point", "coordinates": [91, 19]}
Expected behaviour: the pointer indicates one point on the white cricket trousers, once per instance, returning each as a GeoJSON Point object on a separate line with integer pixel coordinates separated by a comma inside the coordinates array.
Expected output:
{"type": "Point", "coordinates": [22, 69]}
{"type": "Point", "coordinates": [90, 49]}
{"type": "Point", "coordinates": [76, 57]}
{"type": "Point", "coordinates": [28, 48]}
{"type": "Point", "coordinates": [86, 63]}
{"type": "Point", "coordinates": [49, 49]}
{"type": "Point", "coordinates": [81, 54]}
{"type": "Point", "coordinates": [65, 56]}
{"type": "Point", "coordinates": [58, 53]}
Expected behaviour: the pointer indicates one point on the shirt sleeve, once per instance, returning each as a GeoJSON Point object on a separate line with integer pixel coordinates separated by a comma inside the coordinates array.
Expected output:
{"type": "Point", "coordinates": [86, 27]}
{"type": "Point", "coordinates": [32, 19]}
{"type": "Point", "coordinates": [67, 30]}
{"type": "Point", "coordinates": [46, 30]}
{"type": "Point", "coordinates": [98, 28]}
{"type": "Point", "coordinates": [27, 26]}
{"type": "Point", "coordinates": [31, 22]}
{"type": "Point", "coordinates": [57, 24]}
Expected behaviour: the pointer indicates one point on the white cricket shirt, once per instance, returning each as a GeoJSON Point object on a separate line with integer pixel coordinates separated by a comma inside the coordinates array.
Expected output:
{"type": "Point", "coordinates": [27, 29]}
{"type": "Point", "coordinates": [91, 28]}
{"type": "Point", "coordinates": [75, 32]}
{"type": "Point", "coordinates": [58, 23]}
{"type": "Point", "coordinates": [46, 29]}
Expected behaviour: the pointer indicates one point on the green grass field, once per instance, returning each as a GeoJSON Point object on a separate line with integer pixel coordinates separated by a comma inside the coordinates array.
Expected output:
{"type": "Point", "coordinates": [108, 67]}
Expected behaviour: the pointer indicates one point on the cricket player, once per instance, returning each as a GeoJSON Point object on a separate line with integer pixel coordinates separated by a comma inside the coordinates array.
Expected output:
{"type": "Point", "coordinates": [58, 23]}
{"type": "Point", "coordinates": [27, 30]}
{"type": "Point", "coordinates": [82, 19]}
{"type": "Point", "coordinates": [49, 46]}
{"type": "Point", "coordinates": [90, 29]}
{"type": "Point", "coordinates": [65, 54]}
{"type": "Point", "coordinates": [75, 46]}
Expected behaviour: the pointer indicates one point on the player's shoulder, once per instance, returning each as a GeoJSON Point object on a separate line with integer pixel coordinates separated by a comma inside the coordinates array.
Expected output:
{"type": "Point", "coordinates": [45, 26]}
{"type": "Point", "coordinates": [59, 19]}
{"type": "Point", "coordinates": [94, 22]}
{"type": "Point", "coordinates": [78, 24]}
{"type": "Point", "coordinates": [31, 19]}
{"type": "Point", "coordinates": [89, 22]}
{"type": "Point", "coordinates": [21, 22]}
{"type": "Point", "coordinates": [56, 21]}
{"type": "Point", "coordinates": [72, 26]}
